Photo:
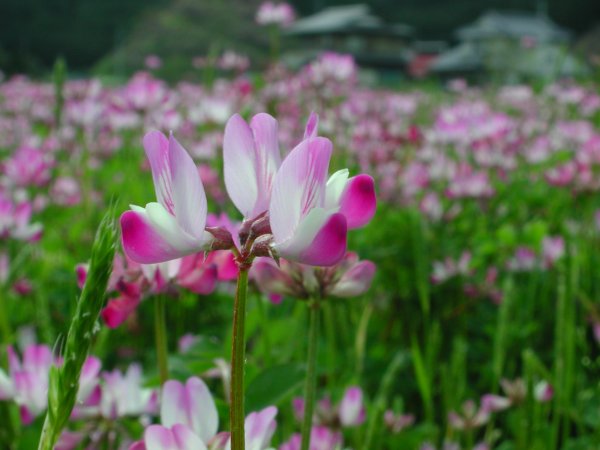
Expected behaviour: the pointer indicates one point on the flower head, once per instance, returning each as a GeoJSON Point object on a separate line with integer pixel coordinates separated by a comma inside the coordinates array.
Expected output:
{"type": "Point", "coordinates": [174, 226]}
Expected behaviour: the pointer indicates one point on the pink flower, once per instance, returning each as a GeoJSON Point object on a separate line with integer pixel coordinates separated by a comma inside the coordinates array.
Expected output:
{"type": "Point", "coordinates": [351, 409]}
{"type": "Point", "coordinates": [349, 278]}
{"type": "Point", "coordinates": [553, 249]}
{"type": "Point", "coordinates": [144, 92]}
{"type": "Point", "coordinates": [524, 260]}
{"type": "Point", "coordinates": [471, 417]}
{"type": "Point", "coordinates": [27, 381]}
{"type": "Point", "coordinates": [281, 14]}
{"type": "Point", "coordinates": [65, 191]}
{"type": "Point", "coordinates": [186, 342]}
{"type": "Point", "coordinates": [29, 167]}
{"type": "Point", "coordinates": [124, 395]}
{"type": "Point", "coordinates": [118, 309]}
{"type": "Point", "coordinates": [231, 60]}
{"type": "Point", "coordinates": [431, 206]}
{"type": "Point", "coordinates": [321, 438]}
{"type": "Point", "coordinates": [260, 427]}
{"type": "Point", "coordinates": [190, 404]}
{"type": "Point", "coordinates": [397, 422]}
{"type": "Point", "coordinates": [332, 71]}
{"type": "Point", "coordinates": [493, 403]}
{"type": "Point", "coordinates": [153, 62]}
{"type": "Point", "coordinates": [190, 421]}
{"type": "Point", "coordinates": [178, 437]}
{"type": "Point", "coordinates": [251, 159]}
{"type": "Point", "coordinates": [448, 268]}
{"type": "Point", "coordinates": [543, 391]}
{"type": "Point", "coordinates": [310, 214]}
{"type": "Point", "coordinates": [174, 226]}
{"type": "Point", "coordinates": [15, 220]}
{"type": "Point", "coordinates": [30, 379]}
{"type": "Point", "coordinates": [561, 175]}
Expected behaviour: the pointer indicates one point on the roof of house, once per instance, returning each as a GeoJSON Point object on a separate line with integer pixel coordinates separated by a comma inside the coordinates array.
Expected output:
{"type": "Point", "coordinates": [345, 19]}
{"type": "Point", "coordinates": [462, 58]}
{"type": "Point", "coordinates": [513, 25]}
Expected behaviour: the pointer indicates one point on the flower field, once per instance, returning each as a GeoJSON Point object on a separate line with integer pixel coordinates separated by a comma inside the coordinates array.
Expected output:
{"type": "Point", "coordinates": [369, 268]}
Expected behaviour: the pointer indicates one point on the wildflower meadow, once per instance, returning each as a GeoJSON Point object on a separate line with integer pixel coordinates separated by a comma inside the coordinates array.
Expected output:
{"type": "Point", "coordinates": [290, 259]}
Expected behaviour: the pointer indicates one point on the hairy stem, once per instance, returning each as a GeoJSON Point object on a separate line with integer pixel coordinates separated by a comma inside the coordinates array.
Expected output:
{"type": "Point", "coordinates": [160, 334]}
{"type": "Point", "coordinates": [238, 348]}
{"type": "Point", "coordinates": [311, 373]}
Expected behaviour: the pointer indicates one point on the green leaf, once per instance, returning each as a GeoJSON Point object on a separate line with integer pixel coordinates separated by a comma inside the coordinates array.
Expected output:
{"type": "Point", "coordinates": [274, 385]}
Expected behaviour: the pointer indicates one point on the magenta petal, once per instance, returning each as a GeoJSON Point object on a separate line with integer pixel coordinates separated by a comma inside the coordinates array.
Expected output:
{"type": "Point", "coordinates": [356, 281]}
{"type": "Point", "coordinates": [118, 310]}
{"type": "Point", "coordinates": [81, 271]}
{"type": "Point", "coordinates": [270, 278]}
{"type": "Point", "coordinates": [202, 280]}
{"type": "Point", "coordinates": [227, 268]}
{"type": "Point", "coordinates": [142, 243]}
{"type": "Point", "coordinates": [139, 445]}
{"type": "Point", "coordinates": [37, 358]}
{"type": "Point", "coordinates": [311, 126]}
{"type": "Point", "coordinates": [329, 245]}
{"type": "Point", "coordinates": [358, 202]}
{"type": "Point", "coordinates": [26, 416]}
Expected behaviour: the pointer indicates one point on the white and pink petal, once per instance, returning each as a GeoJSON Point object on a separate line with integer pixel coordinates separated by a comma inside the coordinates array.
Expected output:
{"type": "Point", "coordinates": [239, 164]}
{"type": "Point", "coordinates": [190, 404]}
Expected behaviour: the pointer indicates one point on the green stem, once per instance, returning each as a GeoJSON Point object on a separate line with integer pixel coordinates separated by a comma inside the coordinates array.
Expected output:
{"type": "Point", "coordinates": [238, 347]}
{"type": "Point", "coordinates": [382, 399]}
{"type": "Point", "coordinates": [311, 373]}
{"type": "Point", "coordinates": [4, 325]}
{"type": "Point", "coordinates": [265, 331]}
{"type": "Point", "coordinates": [160, 334]}
{"type": "Point", "coordinates": [331, 338]}
{"type": "Point", "coordinates": [501, 335]}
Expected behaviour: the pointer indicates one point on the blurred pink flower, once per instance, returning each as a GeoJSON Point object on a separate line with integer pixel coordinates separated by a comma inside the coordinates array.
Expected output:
{"type": "Point", "coordinates": [271, 13]}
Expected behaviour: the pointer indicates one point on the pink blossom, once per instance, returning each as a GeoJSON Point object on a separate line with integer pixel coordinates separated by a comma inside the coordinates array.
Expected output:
{"type": "Point", "coordinates": [174, 226]}
{"type": "Point", "coordinates": [27, 381]}
{"type": "Point", "coordinates": [543, 391]}
{"type": "Point", "coordinates": [29, 167]}
{"type": "Point", "coordinates": [470, 418]}
{"type": "Point", "coordinates": [270, 13]}
{"type": "Point", "coordinates": [153, 62]}
{"type": "Point", "coordinates": [321, 438]}
{"type": "Point", "coordinates": [124, 395]}
{"type": "Point", "coordinates": [397, 422]}
{"type": "Point", "coordinates": [308, 214]}
{"type": "Point", "coordinates": [349, 278]}
{"type": "Point", "coordinates": [65, 191]}
{"type": "Point", "coordinates": [15, 220]}
{"type": "Point", "coordinates": [524, 260]}
{"type": "Point", "coordinates": [351, 409]}
{"type": "Point", "coordinates": [553, 249]}
{"type": "Point", "coordinates": [189, 421]}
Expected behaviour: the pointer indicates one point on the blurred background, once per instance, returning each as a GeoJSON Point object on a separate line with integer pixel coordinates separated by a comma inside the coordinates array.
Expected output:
{"type": "Point", "coordinates": [480, 123]}
{"type": "Point", "coordinates": [390, 39]}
